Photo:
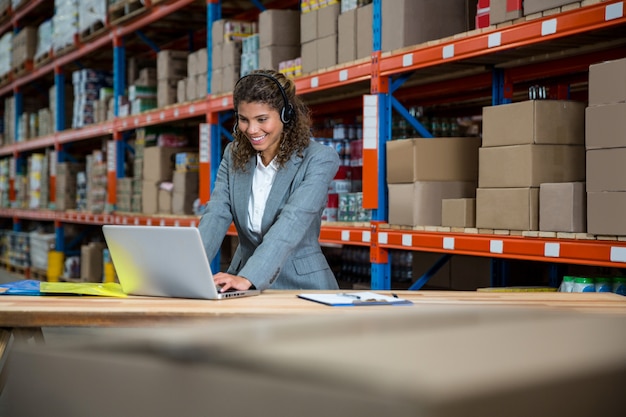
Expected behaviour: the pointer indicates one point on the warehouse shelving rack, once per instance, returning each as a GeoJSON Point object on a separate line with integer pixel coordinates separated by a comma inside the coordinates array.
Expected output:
{"type": "Point", "coordinates": [482, 63]}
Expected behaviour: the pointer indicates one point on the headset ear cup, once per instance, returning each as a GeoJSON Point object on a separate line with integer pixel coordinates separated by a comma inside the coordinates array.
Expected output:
{"type": "Point", "coordinates": [236, 124]}
{"type": "Point", "coordinates": [287, 114]}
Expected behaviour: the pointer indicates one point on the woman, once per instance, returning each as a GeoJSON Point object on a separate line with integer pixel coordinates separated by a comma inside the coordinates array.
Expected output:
{"type": "Point", "coordinates": [273, 184]}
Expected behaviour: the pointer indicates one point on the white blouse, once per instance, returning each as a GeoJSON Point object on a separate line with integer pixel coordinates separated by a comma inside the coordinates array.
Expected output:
{"type": "Point", "coordinates": [261, 186]}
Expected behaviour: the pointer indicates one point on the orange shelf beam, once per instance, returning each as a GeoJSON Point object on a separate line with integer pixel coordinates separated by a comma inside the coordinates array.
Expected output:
{"type": "Point", "coordinates": [165, 115]}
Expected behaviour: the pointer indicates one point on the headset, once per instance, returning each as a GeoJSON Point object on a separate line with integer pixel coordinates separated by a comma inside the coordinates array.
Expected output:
{"type": "Point", "coordinates": [287, 113]}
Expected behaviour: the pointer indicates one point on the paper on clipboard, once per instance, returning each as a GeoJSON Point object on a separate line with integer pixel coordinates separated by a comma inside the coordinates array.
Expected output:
{"type": "Point", "coordinates": [362, 298]}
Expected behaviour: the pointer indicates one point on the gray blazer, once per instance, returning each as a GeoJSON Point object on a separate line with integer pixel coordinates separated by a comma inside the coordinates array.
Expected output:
{"type": "Point", "coordinates": [288, 254]}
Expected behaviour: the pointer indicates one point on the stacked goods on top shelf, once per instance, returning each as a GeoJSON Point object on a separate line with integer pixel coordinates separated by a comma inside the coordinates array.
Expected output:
{"type": "Point", "coordinates": [319, 36]}
{"type": "Point", "coordinates": [171, 68]}
{"type": "Point", "coordinates": [64, 24]}
{"type": "Point", "coordinates": [524, 145]}
{"type": "Point", "coordinates": [45, 34]}
{"type": "Point", "coordinates": [38, 180]}
{"type": "Point", "coordinates": [66, 185]}
{"type": "Point", "coordinates": [279, 37]}
{"type": "Point", "coordinates": [195, 84]}
{"type": "Point", "coordinates": [88, 84]}
{"type": "Point", "coordinates": [92, 15]}
{"type": "Point", "coordinates": [422, 172]}
{"type": "Point", "coordinates": [4, 182]}
{"type": "Point", "coordinates": [23, 48]}
{"type": "Point", "coordinates": [5, 57]}
{"type": "Point", "coordinates": [605, 142]}
{"type": "Point", "coordinates": [354, 32]}
{"type": "Point", "coordinates": [249, 54]}
{"type": "Point", "coordinates": [226, 52]}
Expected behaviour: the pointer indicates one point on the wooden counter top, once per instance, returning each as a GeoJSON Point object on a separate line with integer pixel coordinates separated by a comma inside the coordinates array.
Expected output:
{"type": "Point", "coordinates": [50, 311]}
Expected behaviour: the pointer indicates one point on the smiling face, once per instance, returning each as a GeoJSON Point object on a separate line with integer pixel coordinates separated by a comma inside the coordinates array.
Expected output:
{"type": "Point", "coordinates": [261, 125]}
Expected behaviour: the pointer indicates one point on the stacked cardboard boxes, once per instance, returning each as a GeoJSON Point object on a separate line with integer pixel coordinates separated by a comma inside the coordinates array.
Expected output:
{"type": "Point", "coordinates": [66, 182]}
{"type": "Point", "coordinates": [185, 182]}
{"type": "Point", "coordinates": [197, 78]}
{"type": "Point", "coordinates": [157, 178]}
{"type": "Point", "coordinates": [171, 68]}
{"type": "Point", "coordinates": [124, 194]}
{"type": "Point", "coordinates": [421, 173]}
{"type": "Point", "coordinates": [226, 52]}
{"type": "Point", "coordinates": [354, 35]}
{"type": "Point", "coordinates": [87, 85]}
{"type": "Point", "coordinates": [24, 46]}
{"type": "Point", "coordinates": [279, 37]}
{"type": "Point", "coordinates": [605, 140]}
{"type": "Point", "coordinates": [318, 35]}
{"type": "Point", "coordinates": [524, 145]}
{"type": "Point", "coordinates": [96, 175]}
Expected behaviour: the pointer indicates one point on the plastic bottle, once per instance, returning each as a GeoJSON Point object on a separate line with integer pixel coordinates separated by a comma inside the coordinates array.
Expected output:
{"type": "Point", "coordinates": [584, 284]}
{"type": "Point", "coordinates": [567, 284]}
{"type": "Point", "coordinates": [619, 285]}
{"type": "Point", "coordinates": [604, 284]}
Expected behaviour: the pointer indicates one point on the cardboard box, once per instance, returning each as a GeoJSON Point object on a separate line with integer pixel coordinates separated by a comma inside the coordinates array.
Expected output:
{"type": "Point", "coordinates": [217, 53]}
{"type": "Point", "coordinates": [271, 56]}
{"type": "Point", "coordinates": [605, 126]}
{"type": "Point", "coordinates": [230, 76]}
{"type": "Point", "coordinates": [166, 92]}
{"type": "Point", "coordinates": [327, 51]}
{"type": "Point", "coordinates": [419, 203]}
{"type": "Point", "coordinates": [190, 88]}
{"type": "Point", "coordinates": [308, 26]}
{"type": "Point", "coordinates": [186, 182]}
{"type": "Point", "coordinates": [149, 197]}
{"type": "Point", "coordinates": [504, 10]}
{"type": "Point", "coordinates": [182, 204]}
{"type": "Point", "coordinates": [458, 212]}
{"type": "Point", "coordinates": [231, 54]}
{"type": "Point", "coordinates": [549, 122]}
{"type": "Point", "coordinates": [23, 46]}
{"type": "Point", "coordinates": [507, 208]}
{"type": "Point", "coordinates": [164, 202]}
{"type": "Point", "coordinates": [159, 163]}
{"type": "Point", "coordinates": [410, 22]}
{"type": "Point", "coordinates": [605, 169]}
{"type": "Point", "coordinates": [171, 64]}
{"type": "Point", "coordinates": [181, 90]}
{"type": "Point", "coordinates": [201, 85]}
{"type": "Point", "coordinates": [279, 27]}
{"type": "Point", "coordinates": [530, 165]}
{"type": "Point", "coordinates": [439, 159]}
{"type": "Point", "coordinates": [217, 81]}
{"type": "Point", "coordinates": [563, 207]}
{"type": "Point", "coordinates": [327, 20]}
{"type": "Point", "coordinates": [607, 82]}
{"type": "Point", "coordinates": [535, 6]}
{"type": "Point", "coordinates": [309, 57]}
{"type": "Point", "coordinates": [605, 213]}
{"type": "Point", "coordinates": [364, 32]}
{"type": "Point", "coordinates": [91, 262]}
{"type": "Point", "coordinates": [346, 37]}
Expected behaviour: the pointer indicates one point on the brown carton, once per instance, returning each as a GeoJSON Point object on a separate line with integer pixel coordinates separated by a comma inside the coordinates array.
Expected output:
{"type": "Point", "coordinates": [346, 36]}
{"type": "Point", "coordinates": [607, 82]}
{"type": "Point", "coordinates": [308, 26]}
{"type": "Point", "coordinates": [507, 208]}
{"type": "Point", "coordinates": [530, 165]}
{"type": "Point", "coordinates": [419, 203]}
{"type": "Point", "coordinates": [605, 169]}
{"type": "Point", "coordinates": [279, 27]}
{"type": "Point", "coordinates": [605, 126]}
{"type": "Point", "coordinates": [563, 207]}
{"type": "Point", "coordinates": [327, 51]}
{"type": "Point", "coordinates": [327, 20]}
{"type": "Point", "coordinates": [534, 6]}
{"type": "Point", "coordinates": [164, 202]}
{"type": "Point", "coordinates": [364, 33]}
{"type": "Point", "coordinates": [605, 213]}
{"type": "Point", "coordinates": [458, 212]}
{"type": "Point", "coordinates": [438, 159]}
{"type": "Point", "coordinates": [503, 11]}
{"type": "Point", "coordinates": [549, 122]}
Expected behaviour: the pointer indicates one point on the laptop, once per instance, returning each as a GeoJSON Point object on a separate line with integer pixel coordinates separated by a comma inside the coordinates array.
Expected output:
{"type": "Point", "coordinates": [163, 261]}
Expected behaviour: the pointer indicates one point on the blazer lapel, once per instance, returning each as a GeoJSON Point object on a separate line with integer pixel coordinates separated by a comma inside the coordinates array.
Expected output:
{"type": "Point", "coordinates": [242, 183]}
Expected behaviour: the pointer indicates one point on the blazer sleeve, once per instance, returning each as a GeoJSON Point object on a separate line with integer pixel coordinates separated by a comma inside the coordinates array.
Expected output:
{"type": "Point", "coordinates": [217, 216]}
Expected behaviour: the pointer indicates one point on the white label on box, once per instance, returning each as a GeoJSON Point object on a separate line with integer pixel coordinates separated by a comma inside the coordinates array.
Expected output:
{"type": "Point", "coordinates": [205, 143]}
{"type": "Point", "coordinates": [494, 39]}
{"type": "Point", "coordinates": [496, 246]}
{"type": "Point", "coordinates": [448, 243]}
{"type": "Point", "coordinates": [315, 82]}
{"type": "Point", "coordinates": [548, 27]}
{"type": "Point", "coordinates": [614, 11]}
{"type": "Point", "coordinates": [382, 238]}
{"type": "Point", "coordinates": [552, 250]}
{"type": "Point", "coordinates": [343, 75]}
{"type": "Point", "coordinates": [448, 51]}
{"type": "Point", "coordinates": [366, 237]}
{"type": "Point", "coordinates": [407, 60]}
{"type": "Point", "coordinates": [618, 254]}
{"type": "Point", "coordinates": [345, 235]}
{"type": "Point", "coordinates": [407, 240]}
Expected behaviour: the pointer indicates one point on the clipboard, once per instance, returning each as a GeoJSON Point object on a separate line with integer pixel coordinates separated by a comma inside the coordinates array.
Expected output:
{"type": "Point", "coordinates": [352, 299]}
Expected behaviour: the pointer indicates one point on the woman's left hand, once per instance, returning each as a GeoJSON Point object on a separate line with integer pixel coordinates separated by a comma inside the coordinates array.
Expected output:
{"type": "Point", "coordinates": [227, 281]}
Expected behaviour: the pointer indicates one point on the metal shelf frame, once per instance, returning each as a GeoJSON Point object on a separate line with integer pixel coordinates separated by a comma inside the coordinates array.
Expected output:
{"type": "Point", "coordinates": [385, 73]}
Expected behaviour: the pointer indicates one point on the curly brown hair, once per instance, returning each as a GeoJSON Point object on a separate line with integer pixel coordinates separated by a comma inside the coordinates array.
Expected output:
{"type": "Point", "coordinates": [296, 133]}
